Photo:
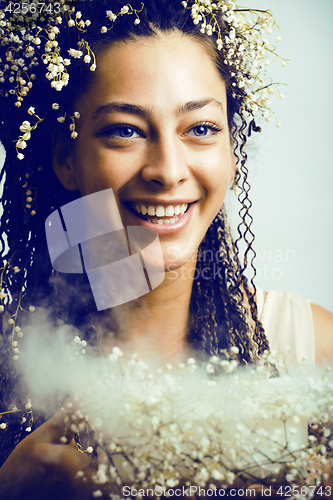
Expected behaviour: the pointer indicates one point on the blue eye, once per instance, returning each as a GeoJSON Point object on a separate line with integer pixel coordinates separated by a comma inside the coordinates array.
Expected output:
{"type": "Point", "coordinates": [122, 132]}
{"type": "Point", "coordinates": [204, 130]}
{"type": "Point", "coordinates": [200, 130]}
{"type": "Point", "coordinates": [126, 132]}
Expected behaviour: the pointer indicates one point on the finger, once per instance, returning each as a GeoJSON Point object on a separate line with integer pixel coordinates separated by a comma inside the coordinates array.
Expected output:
{"type": "Point", "coordinates": [62, 427]}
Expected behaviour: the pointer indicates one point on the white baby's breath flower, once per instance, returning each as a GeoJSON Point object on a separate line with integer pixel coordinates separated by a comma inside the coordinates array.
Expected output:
{"type": "Point", "coordinates": [31, 110]}
{"type": "Point", "coordinates": [111, 15]}
{"type": "Point", "coordinates": [25, 126]}
{"type": "Point", "coordinates": [172, 482]}
{"type": "Point", "coordinates": [210, 368]}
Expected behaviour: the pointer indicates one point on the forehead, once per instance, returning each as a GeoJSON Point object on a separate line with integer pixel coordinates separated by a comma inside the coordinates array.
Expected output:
{"type": "Point", "coordinates": [155, 71]}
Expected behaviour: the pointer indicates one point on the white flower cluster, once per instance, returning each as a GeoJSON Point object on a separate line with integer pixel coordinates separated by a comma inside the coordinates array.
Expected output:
{"type": "Point", "coordinates": [16, 329]}
{"type": "Point", "coordinates": [27, 128]}
{"type": "Point", "coordinates": [77, 343]}
{"type": "Point", "coordinates": [26, 50]}
{"type": "Point", "coordinates": [21, 33]}
{"type": "Point", "coordinates": [239, 35]}
{"type": "Point", "coordinates": [62, 118]}
{"type": "Point", "coordinates": [163, 427]}
{"type": "Point", "coordinates": [26, 420]}
{"type": "Point", "coordinates": [238, 32]}
{"type": "Point", "coordinates": [126, 9]}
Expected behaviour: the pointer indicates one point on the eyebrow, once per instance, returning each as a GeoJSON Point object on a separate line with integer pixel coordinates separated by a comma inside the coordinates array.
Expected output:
{"type": "Point", "coordinates": [134, 109]}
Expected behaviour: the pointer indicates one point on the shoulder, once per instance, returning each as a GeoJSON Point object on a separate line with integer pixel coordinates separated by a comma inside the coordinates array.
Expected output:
{"type": "Point", "coordinates": [323, 329]}
{"type": "Point", "coordinates": [311, 325]}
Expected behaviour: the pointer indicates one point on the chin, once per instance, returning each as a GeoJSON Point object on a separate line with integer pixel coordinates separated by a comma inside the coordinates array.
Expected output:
{"type": "Point", "coordinates": [182, 262]}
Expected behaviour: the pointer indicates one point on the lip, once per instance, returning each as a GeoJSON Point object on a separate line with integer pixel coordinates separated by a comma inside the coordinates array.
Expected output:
{"type": "Point", "coordinates": [161, 229]}
{"type": "Point", "coordinates": [146, 202]}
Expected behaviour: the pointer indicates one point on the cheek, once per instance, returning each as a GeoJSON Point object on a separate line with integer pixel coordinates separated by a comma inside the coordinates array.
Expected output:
{"type": "Point", "coordinates": [96, 170]}
{"type": "Point", "coordinates": [216, 173]}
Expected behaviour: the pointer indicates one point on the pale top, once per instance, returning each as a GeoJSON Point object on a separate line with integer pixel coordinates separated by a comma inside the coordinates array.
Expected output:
{"type": "Point", "coordinates": [287, 320]}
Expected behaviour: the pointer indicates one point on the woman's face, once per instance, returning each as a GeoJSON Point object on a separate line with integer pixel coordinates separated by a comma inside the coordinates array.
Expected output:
{"type": "Point", "coordinates": [154, 128]}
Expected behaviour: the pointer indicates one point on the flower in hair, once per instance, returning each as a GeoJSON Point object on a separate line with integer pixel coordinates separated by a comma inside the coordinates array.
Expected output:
{"type": "Point", "coordinates": [238, 34]}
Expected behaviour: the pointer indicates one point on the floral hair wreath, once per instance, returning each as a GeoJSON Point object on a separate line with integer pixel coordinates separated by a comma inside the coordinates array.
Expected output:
{"type": "Point", "coordinates": [239, 33]}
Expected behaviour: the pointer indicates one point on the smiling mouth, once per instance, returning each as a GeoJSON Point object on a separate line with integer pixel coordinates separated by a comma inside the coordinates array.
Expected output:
{"type": "Point", "coordinates": [159, 214]}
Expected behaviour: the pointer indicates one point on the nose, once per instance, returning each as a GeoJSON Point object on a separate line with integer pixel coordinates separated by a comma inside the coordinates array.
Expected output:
{"type": "Point", "coordinates": [166, 164]}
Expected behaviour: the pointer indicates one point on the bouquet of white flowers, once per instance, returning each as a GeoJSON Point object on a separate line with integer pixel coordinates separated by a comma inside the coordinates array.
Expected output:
{"type": "Point", "coordinates": [207, 427]}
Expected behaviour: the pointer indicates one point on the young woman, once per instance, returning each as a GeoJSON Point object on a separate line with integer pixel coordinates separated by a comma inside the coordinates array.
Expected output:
{"type": "Point", "coordinates": [162, 118]}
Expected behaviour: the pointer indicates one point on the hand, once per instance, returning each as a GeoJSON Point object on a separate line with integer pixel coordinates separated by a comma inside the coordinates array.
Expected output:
{"type": "Point", "coordinates": [44, 465]}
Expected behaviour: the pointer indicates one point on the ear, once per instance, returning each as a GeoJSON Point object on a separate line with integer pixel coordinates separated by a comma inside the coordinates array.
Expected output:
{"type": "Point", "coordinates": [63, 162]}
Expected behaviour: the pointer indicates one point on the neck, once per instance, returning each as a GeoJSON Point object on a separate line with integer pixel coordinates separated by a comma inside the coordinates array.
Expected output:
{"type": "Point", "coordinates": [155, 325]}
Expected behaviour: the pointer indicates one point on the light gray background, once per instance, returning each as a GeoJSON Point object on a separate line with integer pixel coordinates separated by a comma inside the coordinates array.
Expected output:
{"type": "Point", "coordinates": [291, 167]}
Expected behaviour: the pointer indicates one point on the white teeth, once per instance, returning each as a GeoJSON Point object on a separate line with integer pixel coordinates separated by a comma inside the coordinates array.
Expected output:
{"type": "Point", "coordinates": [143, 210]}
{"type": "Point", "coordinates": [163, 221]}
{"type": "Point", "coordinates": [160, 211]}
{"type": "Point", "coordinates": [169, 211]}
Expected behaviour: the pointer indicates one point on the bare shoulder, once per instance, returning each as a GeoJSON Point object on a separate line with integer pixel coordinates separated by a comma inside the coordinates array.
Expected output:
{"type": "Point", "coordinates": [323, 328]}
